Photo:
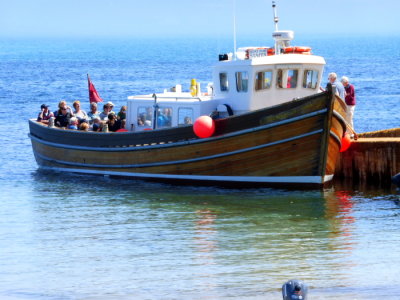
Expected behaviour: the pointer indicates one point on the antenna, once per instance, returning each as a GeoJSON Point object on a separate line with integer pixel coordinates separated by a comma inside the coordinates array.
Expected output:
{"type": "Point", "coordinates": [276, 19]}
{"type": "Point", "coordinates": [234, 29]}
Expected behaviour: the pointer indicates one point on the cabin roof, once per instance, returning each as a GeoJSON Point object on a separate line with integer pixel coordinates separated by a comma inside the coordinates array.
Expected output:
{"type": "Point", "coordinates": [275, 60]}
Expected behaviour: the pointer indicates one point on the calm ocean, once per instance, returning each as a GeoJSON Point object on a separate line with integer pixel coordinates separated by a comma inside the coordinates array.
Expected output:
{"type": "Point", "coordinates": [65, 236]}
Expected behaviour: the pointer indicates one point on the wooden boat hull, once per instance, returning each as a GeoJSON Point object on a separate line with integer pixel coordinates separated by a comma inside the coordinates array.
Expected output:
{"type": "Point", "coordinates": [293, 144]}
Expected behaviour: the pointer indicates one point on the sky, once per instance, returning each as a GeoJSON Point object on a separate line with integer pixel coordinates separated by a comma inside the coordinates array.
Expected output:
{"type": "Point", "coordinates": [169, 18]}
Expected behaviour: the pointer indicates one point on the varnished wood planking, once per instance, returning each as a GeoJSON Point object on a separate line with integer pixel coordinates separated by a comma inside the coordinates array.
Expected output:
{"type": "Point", "coordinates": [186, 151]}
{"type": "Point", "coordinates": [295, 161]}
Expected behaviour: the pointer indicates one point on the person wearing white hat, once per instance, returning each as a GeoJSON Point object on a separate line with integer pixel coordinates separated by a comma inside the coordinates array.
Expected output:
{"type": "Point", "coordinates": [107, 109]}
{"type": "Point", "coordinates": [350, 98]}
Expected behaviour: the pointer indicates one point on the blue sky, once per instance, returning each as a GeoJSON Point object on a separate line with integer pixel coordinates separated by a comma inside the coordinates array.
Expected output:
{"type": "Point", "coordinates": [138, 18]}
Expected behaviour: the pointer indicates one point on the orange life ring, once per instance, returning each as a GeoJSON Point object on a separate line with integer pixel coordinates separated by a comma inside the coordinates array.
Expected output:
{"type": "Point", "coordinates": [288, 50]}
{"type": "Point", "coordinates": [270, 51]}
{"type": "Point", "coordinates": [302, 50]}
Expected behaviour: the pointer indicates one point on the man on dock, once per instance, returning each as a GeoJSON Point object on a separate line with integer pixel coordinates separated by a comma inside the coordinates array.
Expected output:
{"type": "Point", "coordinates": [332, 77]}
{"type": "Point", "coordinates": [350, 98]}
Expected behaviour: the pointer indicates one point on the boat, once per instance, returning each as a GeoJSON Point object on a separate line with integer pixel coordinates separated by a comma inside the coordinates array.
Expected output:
{"type": "Point", "coordinates": [264, 120]}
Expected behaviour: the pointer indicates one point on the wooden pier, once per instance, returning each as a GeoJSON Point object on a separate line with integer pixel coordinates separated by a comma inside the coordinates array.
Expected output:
{"type": "Point", "coordinates": [373, 158]}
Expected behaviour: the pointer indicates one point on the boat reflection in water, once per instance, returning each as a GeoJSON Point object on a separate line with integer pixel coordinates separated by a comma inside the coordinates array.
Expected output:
{"type": "Point", "coordinates": [228, 242]}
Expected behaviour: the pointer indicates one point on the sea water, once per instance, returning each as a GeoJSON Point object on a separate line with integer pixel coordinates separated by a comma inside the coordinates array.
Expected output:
{"type": "Point", "coordinates": [68, 236]}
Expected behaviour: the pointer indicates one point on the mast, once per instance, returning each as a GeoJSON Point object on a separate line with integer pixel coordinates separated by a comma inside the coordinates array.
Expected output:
{"type": "Point", "coordinates": [234, 30]}
{"type": "Point", "coordinates": [282, 38]}
{"type": "Point", "coordinates": [276, 19]}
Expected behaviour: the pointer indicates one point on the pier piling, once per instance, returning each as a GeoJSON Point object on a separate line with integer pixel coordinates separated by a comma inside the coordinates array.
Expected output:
{"type": "Point", "coordinates": [373, 158]}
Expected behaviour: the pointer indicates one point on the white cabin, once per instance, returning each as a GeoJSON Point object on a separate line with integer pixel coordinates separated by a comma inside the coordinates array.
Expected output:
{"type": "Point", "coordinates": [258, 77]}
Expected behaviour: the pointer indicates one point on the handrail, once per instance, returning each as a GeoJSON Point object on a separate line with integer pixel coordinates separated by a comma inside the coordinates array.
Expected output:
{"type": "Point", "coordinates": [159, 97]}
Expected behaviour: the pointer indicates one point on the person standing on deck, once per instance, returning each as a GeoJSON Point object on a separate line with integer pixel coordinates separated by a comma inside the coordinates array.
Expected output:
{"type": "Point", "coordinates": [350, 98]}
{"type": "Point", "coordinates": [332, 77]}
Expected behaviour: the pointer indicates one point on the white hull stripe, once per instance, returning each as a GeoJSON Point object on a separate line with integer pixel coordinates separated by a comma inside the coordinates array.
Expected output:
{"type": "Point", "coordinates": [138, 148]}
{"type": "Point", "coordinates": [254, 179]}
{"type": "Point", "coordinates": [179, 161]}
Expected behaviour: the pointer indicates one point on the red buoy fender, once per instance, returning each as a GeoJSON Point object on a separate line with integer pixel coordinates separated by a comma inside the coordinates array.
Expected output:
{"type": "Point", "coordinates": [204, 127]}
{"type": "Point", "coordinates": [346, 142]}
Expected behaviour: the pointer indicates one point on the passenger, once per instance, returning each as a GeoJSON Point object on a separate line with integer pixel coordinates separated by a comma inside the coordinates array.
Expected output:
{"type": "Point", "coordinates": [149, 113]}
{"type": "Point", "coordinates": [84, 126]}
{"type": "Point", "coordinates": [168, 116]}
{"type": "Point", "coordinates": [279, 79]}
{"type": "Point", "coordinates": [141, 120]}
{"type": "Point", "coordinates": [80, 114]}
{"type": "Point", "coordinates": [97, 125]}
{"type": "Point", "coordinates": [63, 116]}
{"type": "Point", "coordinates": [107, 109]}
{"type": "Point", "coordinates": [187, 120]}
{"type": "Point", "coordinates": [289, 82]}
{"type": "Point", "coordinates": [164, 119]}
{"type": "Point", "coordinates": [122, 113]}
{"type": "Point", "coordinates": [160, 120]}
{"type": "Point", "coordinates": [113, 123]}
{"type": "Point", "coordinates": [62, 104]}
{"type": "Point", "coordinates": [45, 114]}
{"type": "Point", "coordinates": [73, 123]}
{"type": "Point", "coordinates": [93, 112]}
{"type": "Point", "coordinates": [332, 77]}
{"type": "Point", "coordinates": [122, 129]}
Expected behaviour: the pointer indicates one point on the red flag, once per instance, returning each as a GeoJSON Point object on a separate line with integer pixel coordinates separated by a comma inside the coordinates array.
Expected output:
{"type": "Point", "coordinates": [93, 95]}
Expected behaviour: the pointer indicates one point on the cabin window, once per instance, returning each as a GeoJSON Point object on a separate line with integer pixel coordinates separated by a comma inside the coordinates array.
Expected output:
{"type": "Point", "coordinates": [185, 116]}
{"type": "Point", "coordinates": [263, 80]}
{"type": "Point", "coordinates": [145, 116]}
{"type": "Point", "coordinates": [287, 79]}
{"type": "Point", "coordinates": [242, 81]}
{"type": "Point", "coordinates": [164, 117]}
{"type": "Point", "coordinates": [223, 81]}
{"type": "Point", "coordinates": [310, 79]}
{"type": "Point", "coordinates": [292, 79]}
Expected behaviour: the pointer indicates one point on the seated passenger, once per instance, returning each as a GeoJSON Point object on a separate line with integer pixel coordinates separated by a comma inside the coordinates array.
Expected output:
{"type": "Point", "coordinates": [84, 126]}
{"type": "Point", "coordinates": [62, 104]}
{"type": "Point", "coordinates": [168, 116]}
{"type": "Point", "coordinates": [164, 119]}
{"type": "Point", "coordinates": [63, 116]}
{"type": "Point", "coordinates": [122, 129]}
{"type": "Point", "coordinates": [97, 125]}
{"type": "Point", "coordinates": [93, 112]}
{"type": "Point", "coordinates": [73, 123]}
{"type": "Point", "coordinates": [187, 120]}
{"type": "Point", "coordinates": [122, 113]}
{"type": "Point", "coordinates": [107, 109]}
{"type": "Point", "coordinates": [80, 114]}
{"type": "Point", "coordinates": [113, 123]}
{"type": "Point", "coordinates": [45, 114]}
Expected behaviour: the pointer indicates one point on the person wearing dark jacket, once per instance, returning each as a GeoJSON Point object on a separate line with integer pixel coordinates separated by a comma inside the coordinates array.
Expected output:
{"type": "Point", "coordinates": [113, 123]}
{"type": "Point", "coordinates": [350, 98]}
{"type": "Point", "coordinates": [63, 117]}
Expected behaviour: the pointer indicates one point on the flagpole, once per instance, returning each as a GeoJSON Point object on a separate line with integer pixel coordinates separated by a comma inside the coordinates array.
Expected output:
{"type": "Point", "coordinates": [88, 83]}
